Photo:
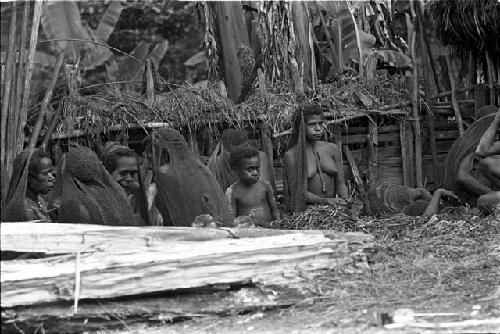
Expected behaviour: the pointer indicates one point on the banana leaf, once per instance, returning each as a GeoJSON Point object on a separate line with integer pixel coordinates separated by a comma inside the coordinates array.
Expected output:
{"type": "Point", "coordinates": [61, 20]}
{"type": "Point", "coordinates": [356, 43]}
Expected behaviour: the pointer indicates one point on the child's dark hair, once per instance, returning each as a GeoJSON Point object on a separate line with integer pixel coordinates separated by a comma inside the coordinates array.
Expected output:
{"type": "Point", "coordinates": [242, 153]}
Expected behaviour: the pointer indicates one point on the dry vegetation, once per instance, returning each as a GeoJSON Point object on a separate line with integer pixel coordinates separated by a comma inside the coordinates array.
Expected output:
{"type": "Point", "coordinates": [446, 263]}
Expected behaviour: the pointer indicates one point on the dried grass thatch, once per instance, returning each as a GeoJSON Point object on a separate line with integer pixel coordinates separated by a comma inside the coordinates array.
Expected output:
{"type": "Point", "coordinates": [195, 108]}
{"type": "Point", "coordinates": [467, 24]}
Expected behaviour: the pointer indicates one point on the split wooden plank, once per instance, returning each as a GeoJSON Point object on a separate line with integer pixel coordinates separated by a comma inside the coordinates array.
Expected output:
{"type": "Point", "coordinates": [111, 271]}
{"type": "Point", "coordinates": [52, 238]}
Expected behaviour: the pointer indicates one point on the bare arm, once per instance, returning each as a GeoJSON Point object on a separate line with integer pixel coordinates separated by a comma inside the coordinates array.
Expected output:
{"type": "Point", "coordinates": [468, 181]}
{"type": "Point", "coordinates": [272, 202]}
{"type": "Point", "coordinates": [487, 145]}
{"type": "Point", "coordinates": [340, 179]}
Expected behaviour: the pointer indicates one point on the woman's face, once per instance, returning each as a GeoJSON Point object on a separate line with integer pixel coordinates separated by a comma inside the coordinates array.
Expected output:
{"type": "Point", "coordinates": [315, 127]}
{"type": "Point", "coordinates": [43, 182]}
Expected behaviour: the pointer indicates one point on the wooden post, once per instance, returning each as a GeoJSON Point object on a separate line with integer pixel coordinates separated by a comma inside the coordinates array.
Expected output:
{"type": "Point", "coordinates": [406, 137]}
{"type": "Point", "coordinates": [354, 170]}
{"type": "Point", "coordinates": [45, 103]}
{"type": "Point", "coordinates": [430, 116]}
{"type": "Point", "coordinates": [337, 38]}
{"type": "Point", "coordinates": [454, 101]}
{"type": "Point", "coordinates": [338, 139]}
{"type": "Point", "coordinates": [9, 74]}
{"type": "Point", "coordinates": [415, 102]}
{"type": "Point", "coordinates": [423, 23]}
{"type": "Point", "coordinates": [23, 114]}
{"type": "Point", "coordinates": [52, 125]}
{"type": "Point", "coordinates": [480, 97]}
{"type": "Point", "coordinates": [372, 149]}
{"type": "Point", "coordinates": [491, 76]}
{"type": "Point", "coordinates": [20, 74]}
{"type": "Point", "coordinates": [231, 33]}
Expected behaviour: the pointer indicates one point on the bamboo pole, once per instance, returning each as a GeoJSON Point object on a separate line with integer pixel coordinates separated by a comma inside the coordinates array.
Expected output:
{"type": "Point", "coordinates": [37, 13]}
{"type": "Point", "coordinates": [491, 77]}
{"type": "Point", "coordinates": [430, 116]}
{"type": "Point", "coordinates": [456, 108]}
{"type": "Point", "coordinates": [416, 116]}
{"type": "Point", "coordinates": [45, 102]}
{"type": "Point", "coordinates": [403, 152]}
{"type": "Point", "coordinates": [20, 74]}
{"type": "Point", "coordinates": [372, 137]}
{"type": "Point", "coordinates": [52, 125]}
{"type": "Point", "coordinates": [9, 68]}
{"type": "Point", "coordinates": [425, 22]}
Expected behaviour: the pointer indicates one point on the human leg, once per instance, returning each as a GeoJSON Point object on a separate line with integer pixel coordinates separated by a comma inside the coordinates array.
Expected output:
{"type": "Point", "coordinates": [490, 168]}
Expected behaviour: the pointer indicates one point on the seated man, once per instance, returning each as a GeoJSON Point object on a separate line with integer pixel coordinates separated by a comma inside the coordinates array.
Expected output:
{"type": "Point", "coordinates": [489, 166]}
{"type": "Point", "coordinates": [462, 174]}
{"type": "Point", "coordinates": [28, 183]}
{"type": "Point", "coordinates": [219, 160]}
{"type": "Point", "coordinates": [121, 162]}
{"type": "Point", "coordinates": [313, 171]}
{"type": "Point", "coordinates": [249, 195]}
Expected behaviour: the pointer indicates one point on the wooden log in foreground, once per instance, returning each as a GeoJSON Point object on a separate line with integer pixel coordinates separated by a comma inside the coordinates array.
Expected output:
{"type": "Point", "coordinates": [95, 315]}
{"type": "Point", "coordinates": [125, 261]}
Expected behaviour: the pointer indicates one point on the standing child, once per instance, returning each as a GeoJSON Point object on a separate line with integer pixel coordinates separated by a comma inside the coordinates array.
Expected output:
{"type": "Point", "coordinates": [249, 196]}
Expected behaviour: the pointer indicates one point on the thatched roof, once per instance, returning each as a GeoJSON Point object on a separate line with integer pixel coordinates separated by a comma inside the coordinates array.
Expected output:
{"type": "Point", "coordinates": [195, 108]}
{"type": "Point", "coordinates": [472, 25]}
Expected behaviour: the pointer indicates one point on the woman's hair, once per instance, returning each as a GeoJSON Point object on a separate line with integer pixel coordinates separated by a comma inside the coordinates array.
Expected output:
{"type": "Point", "coordinates": [304, 111]}
{"type": "Point", "coordinates": [232, 138]}
{"type": "Point", "coordinates": [238, 156]}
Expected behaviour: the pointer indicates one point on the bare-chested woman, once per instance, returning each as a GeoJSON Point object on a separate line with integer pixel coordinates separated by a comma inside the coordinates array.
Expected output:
{"type": "Point", "coordinates": [313, 172]}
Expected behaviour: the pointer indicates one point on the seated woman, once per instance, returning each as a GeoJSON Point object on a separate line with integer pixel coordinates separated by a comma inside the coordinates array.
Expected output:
{"type": "Point", "coordinates": [462, 174]}
{"type": "Point", "coordinates": [85, 193]}
{"type": "Point", "coordinates": [28, 183]}
{"type": "Point", "coordinates": [219, 160]}
{"type": "Point", "coordinates": [185, 186]}
{"type": "Point", "coordinates": [313, 170]}
{"type": "Point", "coordinates": [121, 162]}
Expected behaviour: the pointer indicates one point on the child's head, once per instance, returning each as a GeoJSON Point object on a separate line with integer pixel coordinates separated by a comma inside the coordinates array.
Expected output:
{"type": "Point", "coordinates": [245, 162]}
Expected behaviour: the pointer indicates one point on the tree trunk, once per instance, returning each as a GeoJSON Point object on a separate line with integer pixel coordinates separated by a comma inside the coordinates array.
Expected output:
{"type": "Point", "coordinates": [232, 33]}
{"type": "Point", "coordinates": [9, 79]}
{"type": "Point", "coordinates": [304, 51]}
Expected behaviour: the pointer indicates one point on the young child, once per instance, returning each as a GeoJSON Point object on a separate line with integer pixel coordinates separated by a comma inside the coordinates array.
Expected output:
{"type": "Point", "coordinates": [250, 196]}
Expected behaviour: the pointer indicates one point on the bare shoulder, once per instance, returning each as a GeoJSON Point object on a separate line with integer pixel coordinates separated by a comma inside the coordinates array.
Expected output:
{"type": "Point", "coordinates": [265, 184]}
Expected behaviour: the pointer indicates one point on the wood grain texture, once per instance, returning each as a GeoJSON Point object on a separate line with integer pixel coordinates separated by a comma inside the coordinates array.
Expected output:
{"type": "Point", "coordinates": [124, 261]}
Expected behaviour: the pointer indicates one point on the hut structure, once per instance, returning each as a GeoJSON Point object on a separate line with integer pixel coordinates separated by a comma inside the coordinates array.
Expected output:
{"type": "Point", "coordinates": [375, 124]}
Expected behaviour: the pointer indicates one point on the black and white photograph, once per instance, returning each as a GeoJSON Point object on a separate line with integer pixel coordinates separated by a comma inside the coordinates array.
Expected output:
{"type": "Point", "coordinates": [250, 166]}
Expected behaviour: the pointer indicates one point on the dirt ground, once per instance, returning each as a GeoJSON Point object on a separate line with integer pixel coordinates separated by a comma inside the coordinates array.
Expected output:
{"type": "Point", "coordinates": [445, 265]}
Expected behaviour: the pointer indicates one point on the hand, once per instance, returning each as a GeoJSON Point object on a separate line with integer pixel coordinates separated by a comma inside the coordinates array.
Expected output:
{"type": "Point", "coordinates": [336, 201]}
{"type": "Point", "coordinates": [443, 192]}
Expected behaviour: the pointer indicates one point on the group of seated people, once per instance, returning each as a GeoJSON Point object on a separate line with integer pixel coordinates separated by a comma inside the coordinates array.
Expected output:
{"type": "Point", "coordinates": [172, 187]}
